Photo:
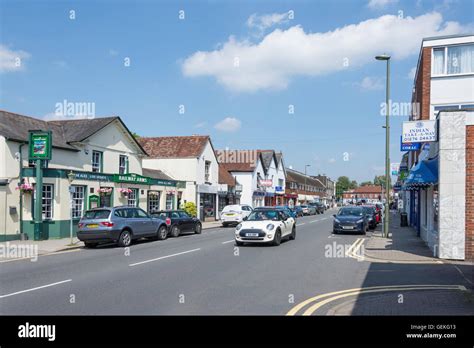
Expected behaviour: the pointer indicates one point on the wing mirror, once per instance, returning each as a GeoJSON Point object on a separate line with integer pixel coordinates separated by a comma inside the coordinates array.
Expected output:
{"type": "Point", "coordinates": [245, 218]}
{"type": "Point", "coordinates": [334, 215]}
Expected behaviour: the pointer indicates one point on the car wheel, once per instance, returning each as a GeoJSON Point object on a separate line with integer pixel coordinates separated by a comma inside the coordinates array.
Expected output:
{"type": "Point", "coordinates": [175, 231]}
{"type": "Point", "coordinates": [224, 224]}
{"type": "Point", "coordinates": [125, 239]}
{"type": "Point", "coordinates": [90, 245]}
{"type": "Point", "coordinates": [198, 228]}
{"type": "Point", "coordinates": [162, 233]}
{"type": "Point", "coordinates": [277, 239]}
{"type": "Point", "coordinates": [237, 243]}
{"type": "Point", "coordinates": [293, 233]}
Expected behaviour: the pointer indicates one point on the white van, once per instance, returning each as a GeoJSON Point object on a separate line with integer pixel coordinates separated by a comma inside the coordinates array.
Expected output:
{"type": "Point", "coordinates": [234, 214]}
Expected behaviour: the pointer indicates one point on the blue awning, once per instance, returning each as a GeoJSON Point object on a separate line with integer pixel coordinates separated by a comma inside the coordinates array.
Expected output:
{"type": "Point", "coordinates": [425, 173]}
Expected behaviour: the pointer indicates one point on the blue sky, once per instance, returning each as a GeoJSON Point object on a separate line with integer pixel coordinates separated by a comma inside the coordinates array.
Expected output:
{"type": "Point", "coordinates": [314, 56]}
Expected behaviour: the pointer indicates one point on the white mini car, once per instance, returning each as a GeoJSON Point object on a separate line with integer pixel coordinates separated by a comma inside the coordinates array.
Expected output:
{"type": "Point", "coordinates": [234, 214]}
{"type": "Point", "coordinates": [265, 225]}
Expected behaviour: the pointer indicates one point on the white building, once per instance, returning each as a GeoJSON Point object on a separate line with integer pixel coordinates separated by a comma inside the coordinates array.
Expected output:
{"type": "Point", "coordinates": [100, 156]}
{"type": "Point", "coordinates": [191, 159]}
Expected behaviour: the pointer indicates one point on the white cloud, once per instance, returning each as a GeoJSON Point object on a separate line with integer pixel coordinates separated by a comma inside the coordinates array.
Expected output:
{"type": "Point", "coordinates": [284, 54]}
{"type": "Point", "coordinates": [332, 160]}
{"type": "Point", "coordinates": [411, 74]}
{"type": "Point", "coordinates": [371, 83]}
{"type": "Point", "coordinates": [228, 124]}
{"type": "Point", "coordinates": [263, 22]}
{"type": "Point", "coordinates": [11, 60]}
{"type": "Point", "coordinates": [379, 4]}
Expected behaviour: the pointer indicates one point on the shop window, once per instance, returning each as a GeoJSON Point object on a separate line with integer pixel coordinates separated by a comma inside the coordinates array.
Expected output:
{"type": "Point", "coordinates": [97, 161]}
{"type": "Point", "coordinates": [153, 201]}
{"type": "Point", "coordinates": [207, 171]}
{"type": "Point", "coordinates": [47, 201]}
{"type": "Point", "coordinates": [169, 201]}
{"type": "Point", "coordinates": [132, 198]}
{"type": "Point", "coordinates": [78, 199]}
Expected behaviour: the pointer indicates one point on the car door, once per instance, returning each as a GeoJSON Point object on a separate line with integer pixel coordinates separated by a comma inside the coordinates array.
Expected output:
{"type": "Point", "coordinates": [176, 220]}
{"type": "Point", "coordinates": [149, 225]}
{"type": "Point", "coordinates": [187, 223]}
{"type": "Point", "coordinates": [284, 222]}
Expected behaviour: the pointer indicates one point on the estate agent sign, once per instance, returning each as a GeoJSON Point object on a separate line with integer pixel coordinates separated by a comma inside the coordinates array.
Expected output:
{"type": "Point", "coordinates": [40, 145]}
{"type": "Point", "coordinates": [419, 131]}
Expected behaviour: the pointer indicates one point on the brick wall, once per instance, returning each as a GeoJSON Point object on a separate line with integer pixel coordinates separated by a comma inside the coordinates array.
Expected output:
{"type": "Point", "coordinates": [469, 251]}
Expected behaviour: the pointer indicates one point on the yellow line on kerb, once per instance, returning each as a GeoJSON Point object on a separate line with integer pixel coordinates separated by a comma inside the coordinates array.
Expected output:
{"type": "Point", "coordinates": [350, 292]}
{"type": "Point", "coordinates": [354, 247]}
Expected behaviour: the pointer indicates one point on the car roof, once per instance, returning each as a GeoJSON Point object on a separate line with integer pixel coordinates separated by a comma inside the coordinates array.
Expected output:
{"type": "Point", "coordinates": [268, 208]}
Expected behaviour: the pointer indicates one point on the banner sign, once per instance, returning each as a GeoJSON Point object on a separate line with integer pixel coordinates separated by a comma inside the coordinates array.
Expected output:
{"type": "Point", "coordinates": [40, 145]}
{"type": "Point", "coordinates": [409, 146]}
{"type": "Point", "coordinates": [132, 178]}
{"type": "Point", "coordinates": [394, 167]}
{"type": "Point", "coordinates": [419, 131]}
{"type": "Point", "coordinates": [266, 183]}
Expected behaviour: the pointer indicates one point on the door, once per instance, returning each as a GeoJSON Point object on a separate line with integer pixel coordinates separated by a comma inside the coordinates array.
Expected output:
{"type": "Point", "coordinates": [145, 222]}
{"type": "Point", "coordinates": [187, 223]}
{"type": "Point", "coordinates": [285, 223]}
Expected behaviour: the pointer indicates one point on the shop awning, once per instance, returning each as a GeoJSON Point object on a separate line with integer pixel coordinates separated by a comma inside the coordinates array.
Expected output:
{"type": "Point", "coordinates": [424, 173]}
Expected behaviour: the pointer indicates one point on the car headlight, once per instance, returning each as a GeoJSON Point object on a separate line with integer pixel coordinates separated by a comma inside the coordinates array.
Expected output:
{"type": "Point", "coordinates": [360, 221]}
{"type": "Point", "coordinates": [337, 221]}
{"type": "Point", "coordinates": [270, 227]}
{"type": "Point", "coordinates": [238, 227]}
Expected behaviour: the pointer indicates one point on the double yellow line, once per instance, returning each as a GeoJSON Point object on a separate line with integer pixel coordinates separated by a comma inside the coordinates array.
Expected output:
{"type": "Point", "coordinates": [354, 249]}
{"type": "Point", "coordinates": [317, 302]}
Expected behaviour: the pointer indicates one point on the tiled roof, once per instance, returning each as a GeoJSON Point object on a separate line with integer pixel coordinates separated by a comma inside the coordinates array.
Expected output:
{"type": "Point", "coordinates": [156, 174]}
{"type": "Point", "coordinates": [366, 189]}
{"type": "Point", "coordinates": [225, 177]}
{"type": "Point", "coordinates": [238, 167]}
{"type": "Point", "coordinates": [175, 146]}
{"type": "Point", "coordinates": [65, 132]}
{"type": "Point", "coordinates": [295, 176]}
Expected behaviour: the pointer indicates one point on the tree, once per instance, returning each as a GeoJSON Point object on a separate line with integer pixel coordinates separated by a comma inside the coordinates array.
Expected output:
{"type": "Point", "coordinates": [190, 208]}
{"type": "Point", "coordinates": [353, 184]}
{"type": "Point", "coordinates": [344, 184]}
{"type": "Point", "coordinates": [135, 135]}
{"type": "Point", "coordinates": [366, 183]}
{"type": "Point", "coordinates": [379, 180]}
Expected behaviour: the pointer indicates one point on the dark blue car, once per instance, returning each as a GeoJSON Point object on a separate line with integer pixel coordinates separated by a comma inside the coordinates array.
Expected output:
{"type": "Point", "coordinates": [350, 219]}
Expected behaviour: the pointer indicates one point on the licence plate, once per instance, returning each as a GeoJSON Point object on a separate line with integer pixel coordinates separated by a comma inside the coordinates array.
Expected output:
{"type": "Point", "coordinates": [93, 225]}
{"type": "Point", "coordinates": [347, 227]}
{"type": "Point", "coordinates": [229, 214]}
{"type": "Point", "coordinates": [251, 234]}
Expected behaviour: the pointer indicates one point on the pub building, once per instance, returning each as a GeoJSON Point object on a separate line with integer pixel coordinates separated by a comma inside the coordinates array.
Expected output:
{"type": "Point", "coordinates": [93, 163]}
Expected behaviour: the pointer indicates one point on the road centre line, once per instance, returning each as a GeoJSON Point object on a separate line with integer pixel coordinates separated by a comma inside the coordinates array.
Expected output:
{"type": "Point", "coordinates": [36, 288]}
{"type": "Point", "coordinates": [229, 241]}
{"type": "Point", "coordinates": [163, 257]}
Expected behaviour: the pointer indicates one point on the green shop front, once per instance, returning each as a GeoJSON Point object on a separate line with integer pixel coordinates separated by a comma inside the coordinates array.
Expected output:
{"type": "Point", "coordinates": [67, 194]}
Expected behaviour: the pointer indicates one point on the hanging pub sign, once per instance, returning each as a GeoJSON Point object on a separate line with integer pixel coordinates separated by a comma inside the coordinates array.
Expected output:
{"type": "Point", "coordinates": [419, 131]}
{"type": "Point", "coordinates": [40, 143]}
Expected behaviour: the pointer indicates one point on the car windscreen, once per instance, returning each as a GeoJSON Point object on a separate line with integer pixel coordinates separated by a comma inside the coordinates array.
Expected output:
{"type": "Point", "coordinates": [368, 210]}
{"type": "Point", "coordinates": [263, 215]}
{"type": "Point", "coordinates": [97, 214]}
{"type": "Point", "coordinates": [350, 212]}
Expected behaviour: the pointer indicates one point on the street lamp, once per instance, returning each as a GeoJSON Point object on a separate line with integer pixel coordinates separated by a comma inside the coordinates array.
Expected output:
{"type": "Point", "coordinates": [306, 166]}
{"type": "Point", "coordinates": [386, 58]}
{"type": "Point", "coordinates": [70, 177]}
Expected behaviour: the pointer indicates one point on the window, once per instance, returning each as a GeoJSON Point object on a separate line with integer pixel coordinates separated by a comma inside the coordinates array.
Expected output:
{"type": "Point", "coordinates": [153, 201]}
{"type": "Point", "coordinates": [78, 195]}
{"type": "Point", "coordinates": [132, 198]}
{"type": "Point", "coordinates": [140, 214]}
{"type": "Point", "coordinates": [32, 163]}
{"type": "Point", "coordinates": [182, 214]}
{"type": "Point", "coordinates": [96, 161]}
{"type": "Point", "coordinates": [169, 201]}
{"type": "Point", "coordinates": [123, 164]}
{"type": "Point", "coordinates": [47, 204]}
{"type": "Point", "coordinates": [207, 169]}
{"type": "Point", "coordinates": [452, 60]}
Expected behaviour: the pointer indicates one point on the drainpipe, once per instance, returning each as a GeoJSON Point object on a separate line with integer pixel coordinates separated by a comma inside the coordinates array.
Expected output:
{"type": "Point", "coordinates": [21, 195]}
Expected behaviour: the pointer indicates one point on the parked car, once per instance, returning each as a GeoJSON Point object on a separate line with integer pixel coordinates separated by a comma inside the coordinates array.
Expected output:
{"type": "Point", "coordinates": [265, 225]}
{"type": "Point", "coordinates": [234, 214]}
{"type": "Point", "coordinates": [119, 225]}
{"type": "Point", "coordinates": [371, 213]}
{"type": "Point", "coordinates": [179, 221]}
{"type": "Point", "coordinates": [319, 207]}
{"type": "Point", "coordinates": [350, 218]}
{"type": "Point", "coordinates": [298, 210]}
{"type": "Point", "coordinates": [308, 210]}
{"type": "Point", "coordinates": [287, 210]}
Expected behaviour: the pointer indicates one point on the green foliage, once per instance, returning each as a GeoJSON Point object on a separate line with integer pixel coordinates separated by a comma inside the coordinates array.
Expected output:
{"type": "Point", "coordinates": [366, 183]}
{"type": "Point", "coordinates": [344, 184]}
{"type": "Point", "coordinates": [190, 208]}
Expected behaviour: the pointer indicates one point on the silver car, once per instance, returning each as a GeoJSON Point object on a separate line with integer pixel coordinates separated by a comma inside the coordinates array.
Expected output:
{"type": "Point", "coordinates": [119, 225]}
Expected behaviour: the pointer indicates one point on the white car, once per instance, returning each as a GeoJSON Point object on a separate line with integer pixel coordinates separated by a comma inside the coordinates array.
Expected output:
{"type": "Point", "coordinates": [265, 225]}
{"type": "Point", "coordinates": [234, 214]}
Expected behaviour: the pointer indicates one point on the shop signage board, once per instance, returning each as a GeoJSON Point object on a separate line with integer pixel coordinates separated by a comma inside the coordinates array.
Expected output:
{"type": "Point", "coordinates": [394, 167]}
{"type": "Point", "coordinates": [419, 131]}
{"type": "Point", "coordinates": [132, 179]}
{"type": "Point", "coordinates": [40, 143]}
{"type": "Point", "coordinates": [409, 146]}
{"type": "Point", "coordinates": [266, 183]}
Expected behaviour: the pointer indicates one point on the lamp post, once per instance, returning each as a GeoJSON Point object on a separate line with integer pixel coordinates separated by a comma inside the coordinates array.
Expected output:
{"type": "Point", "coordinates": [305, 166]}
{"type": "Point", "coordinates": [70, 177]}
{"type": "Point", "coordinates": [386, 58]}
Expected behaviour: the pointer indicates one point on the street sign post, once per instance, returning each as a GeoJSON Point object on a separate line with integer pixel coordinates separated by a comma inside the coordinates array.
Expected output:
{"type": "Point", "coordinates": [40, 144]}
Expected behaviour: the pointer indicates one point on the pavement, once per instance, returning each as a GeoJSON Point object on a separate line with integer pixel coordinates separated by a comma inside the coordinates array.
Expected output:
{"type": "Point", "coordinates": [206, 274]}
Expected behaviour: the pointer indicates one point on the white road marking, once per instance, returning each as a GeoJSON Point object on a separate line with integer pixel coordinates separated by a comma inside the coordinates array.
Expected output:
{"type": "Point", "coordinates": [37, 288]}
{"type": "Point", "coordinates": [163, 257]}
{"type": "Point", "coordinates": [229, 241]}
{"type": "Point", "coordinates": [304, 223]}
